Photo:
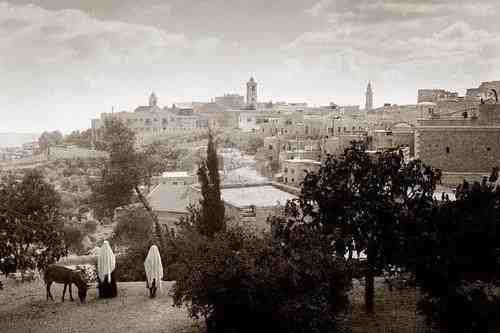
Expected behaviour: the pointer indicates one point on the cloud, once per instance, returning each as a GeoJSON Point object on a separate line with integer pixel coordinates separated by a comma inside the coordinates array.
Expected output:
{"type": "Point", "coordinates": [319, 7]}
{"type": "Point", "coordinates": [72, 36]}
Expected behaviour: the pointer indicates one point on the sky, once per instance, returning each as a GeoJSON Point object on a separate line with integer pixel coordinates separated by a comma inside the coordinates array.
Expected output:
{"type": "Point", "coordinates": [63, 62]}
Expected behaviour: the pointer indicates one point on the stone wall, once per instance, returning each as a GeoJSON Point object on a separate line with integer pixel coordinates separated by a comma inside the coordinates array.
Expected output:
{"type": "Point", "coordinates": [474, 149]}
{"type": "Point", "coordinates": [56, 153]}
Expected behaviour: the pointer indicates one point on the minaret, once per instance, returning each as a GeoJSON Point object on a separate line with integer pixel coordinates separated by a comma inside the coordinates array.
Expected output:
{"type": "Point", "coordinates": [252, 93]}
{"type": "Point", "coordinates": [369, 97]}
{"type": "Point", "coordinates": [153, 101]}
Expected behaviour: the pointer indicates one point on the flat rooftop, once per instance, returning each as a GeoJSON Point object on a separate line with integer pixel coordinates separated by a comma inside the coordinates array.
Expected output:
{"type": "Point", "coordinates": [175, 174]}
{"type": "Point", "coordinates": [167, 198]}
{"type": "Point", "coordinates": [296, 160]}
{"type": "Point", "coordinates": [259, 196]}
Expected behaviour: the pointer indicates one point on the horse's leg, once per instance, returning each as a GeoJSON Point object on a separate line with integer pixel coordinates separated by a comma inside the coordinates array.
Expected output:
{"type": "Point", "coordinates": [70, 294]}
{"type": "Point", "coordinates": [49, 294]}
{"type": "Point", "coordinates": [64, 291]}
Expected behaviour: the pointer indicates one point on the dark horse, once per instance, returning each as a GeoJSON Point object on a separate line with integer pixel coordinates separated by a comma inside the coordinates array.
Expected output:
{"type": "Point", "coordinates": [63, 274]}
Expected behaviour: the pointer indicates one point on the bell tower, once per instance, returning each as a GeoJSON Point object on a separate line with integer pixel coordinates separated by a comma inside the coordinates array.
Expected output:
{"type": "Point", "coordinates": [369, 97]}
{"type": "Point", "coordinates": [153, 100]}
{"type": "Point", "coordinates": [252, 93]}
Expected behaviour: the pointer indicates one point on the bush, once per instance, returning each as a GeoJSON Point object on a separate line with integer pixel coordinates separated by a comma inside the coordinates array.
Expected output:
{"type": "Point", "coordinates": [134, 230]}
{"type": "Point", "coordinates": [130, 266]}
{"type": "Point", "coordinates": [134, 225]}
{"type": "Point", "coordinates": [73, 237]}
{"type": "Point", "coordinates": [469, 307]}
{"type": "Point", "coordinates": [240, 282]}
{"type": "Point", "coordinates": [90, 226]}
{"type": "Point", "coordinates": [458, 262]}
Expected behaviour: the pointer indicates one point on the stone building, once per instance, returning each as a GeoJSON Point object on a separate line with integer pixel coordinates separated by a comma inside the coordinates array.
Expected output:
{"type": "Point", "coordinates": [230, 100]}
{"type": "Point", "coordinates": [486, 91]}
{"type": "Point", "coordinates": [398, 136]}
{"type": "Point", "coordinates": [250, 204]}
{"type": "Point", "coordinates": [435, 95]}
{"type": "Point", "coordinates": [252, 93]}
{"type": "Point", "coordinates": [461, 147]}
{"type": "Point", "coordinates": [369, 97]}
{"type": "Point", "coordinates": [151, 122]}
{"type": "Point", "coordinates": [294, 171]}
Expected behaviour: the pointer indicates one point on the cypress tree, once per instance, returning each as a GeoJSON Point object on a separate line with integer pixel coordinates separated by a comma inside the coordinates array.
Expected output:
{"type": "Point", "coordinates": [212, 206]}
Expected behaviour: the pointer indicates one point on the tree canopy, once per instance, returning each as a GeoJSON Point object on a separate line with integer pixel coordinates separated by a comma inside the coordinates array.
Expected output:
{"type": "Point", "coordinates": [362, 201]}
{"type": "Point", "coordinates": [31, 222]}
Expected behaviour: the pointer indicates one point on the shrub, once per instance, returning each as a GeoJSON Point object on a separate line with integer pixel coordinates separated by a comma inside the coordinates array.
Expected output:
{"type": "Point", "coordinates": [468, 307]}
{"type": "Point", "coordinates": [458, 262]}
{"type": "Point", "coordinates": [134, 231]}
{"type": "Point", "coordinates": [130, 266]}
{"type": "Point", "coordinates": [241, 282]}
{"type": "Point", "coordinates": [73, 237]}
{"type": "Point", "coordinates": [90, 226]}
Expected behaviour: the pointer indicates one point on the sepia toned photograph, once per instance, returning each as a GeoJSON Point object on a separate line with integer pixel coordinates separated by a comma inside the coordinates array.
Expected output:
{"type": "Point", "coordinates": [237, 166]}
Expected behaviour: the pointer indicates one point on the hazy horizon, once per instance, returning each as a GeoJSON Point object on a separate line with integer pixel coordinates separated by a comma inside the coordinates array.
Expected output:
{"type": "Point", "coordinates": [63, 62]}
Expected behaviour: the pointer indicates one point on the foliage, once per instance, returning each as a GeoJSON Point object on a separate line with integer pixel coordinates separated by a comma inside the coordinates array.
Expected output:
{"type": "Point", "coordinates": [155, 160]}
{"type": "Point", "coordinates": [363, 201]}
{"type": "Point", "coordinates": [458, 260]}
{"type": "Point", "coordinates": [90, 226]}
{"type": "Point", "coordinates": [241, 282]}
{"type": "Point", "coordinates": [134, 230]}
{"type": "Point", "coordinates": [73, 237]}
{"type": "Point", "coordinates": [123, 174]}
{"type": "Point", "coordinates": [212, 207]}
{"type": "Point", "coordinates": [134, 226]}
{"type": "Point", "coordinates": [120, 175]}
{"type": "Point", "coordinates": [130, 266]}
{"type": "Point", "coordinates": [30, 221]}
{"type": "Point", "coordinates": [81, 139]}
{"type": "Point", "coordinates": [48, 139]}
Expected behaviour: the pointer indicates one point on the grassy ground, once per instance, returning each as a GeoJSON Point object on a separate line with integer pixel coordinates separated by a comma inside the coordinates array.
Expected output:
{"type": "Point", "coordinates": [395, 311]}
{"type": "Point", "coordinates": [23, 308]}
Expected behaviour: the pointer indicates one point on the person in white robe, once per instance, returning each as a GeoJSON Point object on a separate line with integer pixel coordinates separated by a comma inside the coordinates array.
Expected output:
{"type": "Point", "coordinates": [154, 270]}
{"type": "Point", "coordinates": [106, 263]}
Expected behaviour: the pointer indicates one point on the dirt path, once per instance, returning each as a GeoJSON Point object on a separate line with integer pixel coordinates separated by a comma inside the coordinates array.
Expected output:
{"type": "Point", "coordinates": [23, 308]}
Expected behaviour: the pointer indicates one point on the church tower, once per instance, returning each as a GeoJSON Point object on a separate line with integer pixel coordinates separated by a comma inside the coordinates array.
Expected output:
{"type": "Point", "coordinates": [252, 93]}
{"type": "Point", "coordinates": [153, 101]}
{"type": "Point", "coordinates": [369, 97]}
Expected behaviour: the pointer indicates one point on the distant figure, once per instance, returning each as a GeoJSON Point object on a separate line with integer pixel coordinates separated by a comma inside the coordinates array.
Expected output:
{"type": "Point", "coordinates": [106, 263]}
{"type": "Point", "coordinates": [154, 270]}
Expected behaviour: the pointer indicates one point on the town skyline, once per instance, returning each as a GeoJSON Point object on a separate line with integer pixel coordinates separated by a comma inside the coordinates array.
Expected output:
{"type": "Point", "coordinates": [64, 62]}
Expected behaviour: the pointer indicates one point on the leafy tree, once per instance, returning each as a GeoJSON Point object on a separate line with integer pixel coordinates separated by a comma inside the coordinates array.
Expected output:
{"type": "Point", "coordinates": [30, 221]}
{"type": "Point", "coordinates": [123, 174]}
{"type": "Point", "coordinates": [134, 226]}
{"type": "Point", "coordinates": [243, 282]}
{"type": "Point", "coordinates": [48, 139]}
{"type": "Point", "coordinates": [212, 207]}
{"type": "Point", "coordinates": [155, 158]}
{"type": "Point", "coordinates": [457, 261]}
{"type": "Point", "coordinates": [81, 139]}
{"type": "Point", "coordinates": [73, 238]}
{"type": "Point", "coordinates": [360, 200]}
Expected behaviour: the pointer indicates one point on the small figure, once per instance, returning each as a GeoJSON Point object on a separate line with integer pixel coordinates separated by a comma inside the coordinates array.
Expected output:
{"type": "Point", "coordinates": [106, 263]}
{"type": "Point", "coordinates": [154, 270]}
